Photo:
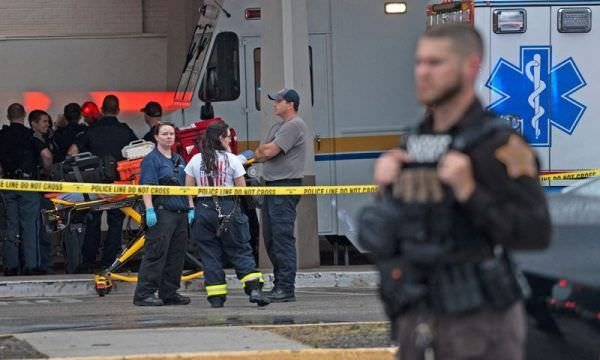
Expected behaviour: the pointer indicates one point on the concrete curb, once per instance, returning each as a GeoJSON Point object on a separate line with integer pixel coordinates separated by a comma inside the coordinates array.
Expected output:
{"type": "Point", "coordinates": [54, 286]}
{"type": "Point", "coordinates": [307, 354]}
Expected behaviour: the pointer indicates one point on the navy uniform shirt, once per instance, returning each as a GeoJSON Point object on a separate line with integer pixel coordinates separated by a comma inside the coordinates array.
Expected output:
{"type": "Point", "coordinates": [19, 150]}
{"type": "Point", "coordinates": [64, 138]}
{"type": "Point", "coordinates": [107, 137]}
{"type": "Point", "coordinates": [150, 135]}
{"type": "Point", "coordinates": [156, 166]}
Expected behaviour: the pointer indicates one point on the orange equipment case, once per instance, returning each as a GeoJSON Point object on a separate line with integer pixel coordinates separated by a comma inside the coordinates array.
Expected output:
{"type": "Point", "coordinates": [187, 140]}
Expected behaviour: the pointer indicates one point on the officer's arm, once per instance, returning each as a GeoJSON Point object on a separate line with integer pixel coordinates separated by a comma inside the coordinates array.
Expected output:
{"type": "Point", "coordinates": [190, 181]}
{"type": "Point", "coordinates": [239, 181]}
{"type": "Point", "coordinates": [73, 150]}
{"type": "Point", "coordinates": [512, 209]}
{"type": "Point", "coordinates": [147, 200]}
{"type": "Point", "coordinates": [267, 151]}
{"type": "Point", "coordinates": [47, 158]}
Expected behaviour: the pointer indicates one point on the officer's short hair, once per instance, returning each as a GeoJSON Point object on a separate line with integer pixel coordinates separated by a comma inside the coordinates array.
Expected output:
{"type": "Point", "coordinates": [15, 111]}
{"type": "Point", "coordinates": [36, 115]}
{"type": "Point", "coordinates": [465, 38]}
{"type": "Point", "coordinates": [110, 104]}
{"type": "Point", "coordinates": [72, 113]}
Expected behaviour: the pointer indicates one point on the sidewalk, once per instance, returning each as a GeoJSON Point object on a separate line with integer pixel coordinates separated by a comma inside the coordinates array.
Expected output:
{"type": "Point", "coordinates": [77, 285]}
{"type": "Point", "coordinates": [185, 343]}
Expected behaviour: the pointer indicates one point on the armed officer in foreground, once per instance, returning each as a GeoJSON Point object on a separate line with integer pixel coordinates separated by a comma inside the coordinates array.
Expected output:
{"type": "Point", "coordinates": [455, 199]}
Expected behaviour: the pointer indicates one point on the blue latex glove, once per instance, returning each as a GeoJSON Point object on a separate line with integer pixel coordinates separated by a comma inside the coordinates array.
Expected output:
{"type": "Point", "coordinates": [151, 219]}
{"type": "Point", "coordinates": [191, 214]}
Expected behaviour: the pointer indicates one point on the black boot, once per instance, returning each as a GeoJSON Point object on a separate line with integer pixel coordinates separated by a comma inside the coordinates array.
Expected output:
{"type": "Point", "coordinates": [217, 301]}
{"type": "Point", "coordinates": [253, 289]}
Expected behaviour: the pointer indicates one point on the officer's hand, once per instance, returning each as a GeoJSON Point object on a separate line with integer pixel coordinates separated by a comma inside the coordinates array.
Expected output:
{"type": "Point", "coordinates": [151, 219]}
{"type": "Point", "coordinates": [388, 166]}
{"type": "Point", "coordinates": [191, 214]}
{"type": "Point", "coordinates": [455, 170]}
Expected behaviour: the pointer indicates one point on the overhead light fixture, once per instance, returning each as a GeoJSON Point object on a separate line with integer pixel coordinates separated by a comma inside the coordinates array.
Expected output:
{"type": "Point", "coordinates": [395, 7]}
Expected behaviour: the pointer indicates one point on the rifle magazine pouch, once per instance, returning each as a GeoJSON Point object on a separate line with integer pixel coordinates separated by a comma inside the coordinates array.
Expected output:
{"type": "Point", "coordinates": [499, 285]}
{"type": "Point", "coordinates": [456, 289]}
{"type": "Point", "coordinates": [400, 287]}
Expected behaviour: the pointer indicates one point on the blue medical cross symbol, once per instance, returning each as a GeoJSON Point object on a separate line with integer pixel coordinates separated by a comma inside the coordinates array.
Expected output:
{"type": "Point", "coordinates": [539, 93]}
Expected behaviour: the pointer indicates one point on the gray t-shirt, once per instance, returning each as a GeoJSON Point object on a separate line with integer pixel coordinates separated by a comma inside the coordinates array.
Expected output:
{"type": "Point", "coordinates": [291, 137]}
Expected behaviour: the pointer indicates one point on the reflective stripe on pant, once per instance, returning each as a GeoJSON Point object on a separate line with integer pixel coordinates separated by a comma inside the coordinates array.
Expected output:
{"type": "Point", "coordinates": [251, 277]}
{"type": "Point", "coordinates": [232, 247]}
{"type": "Point", "coordinates": [278, 219]}
{"type": "Point", "coordinates": [22, 213]}
{"type": "Point", "coordinates": [216, 290]}
{"type": "Point", "coordinates": [164, 255]}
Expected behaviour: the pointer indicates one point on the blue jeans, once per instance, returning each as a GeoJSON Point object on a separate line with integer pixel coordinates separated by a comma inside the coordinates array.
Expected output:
{"type": "Point", "coordinates": [278, 219]}
{"type": "Point", "coordinates": [22, 218]}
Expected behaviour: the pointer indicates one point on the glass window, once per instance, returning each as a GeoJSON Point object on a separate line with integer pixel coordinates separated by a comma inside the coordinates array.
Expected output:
{"type": "Point", "coordinates": [257, 88]}
{"type": "Point", "coordinates": [257, 78]}
{"type": "Point", "coordinates": [222, 79]}
{"type": "Point", "coordinates": [194, 60]}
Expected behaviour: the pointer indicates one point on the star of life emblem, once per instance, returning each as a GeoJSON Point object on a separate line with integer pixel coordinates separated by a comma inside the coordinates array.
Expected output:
{"type": "Point", "coordinates": [538, 93]}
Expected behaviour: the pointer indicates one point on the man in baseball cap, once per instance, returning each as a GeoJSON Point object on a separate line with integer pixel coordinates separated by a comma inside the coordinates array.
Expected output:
{"type": "Point", "coordinates": [152, 116]}
{"type": "Point", "coordinates": [283, 152]}
{"type": "Point", "coordinates": [288, 95]}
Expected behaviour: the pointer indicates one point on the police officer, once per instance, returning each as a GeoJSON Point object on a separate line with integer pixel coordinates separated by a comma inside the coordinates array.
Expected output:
{"type": "Point", "coordinates": [152, 115]}
{"type": "Point", "coordinates": [21, 156]}
{"type": "Point", "coordinates": [67, 135]}
{"type": "Point", "coordinates": [220, 230]}
{"type": "Point", "coordinates": [447, 279]}
{"type": "Point", "coordinates": [167, 218]}
{"type": "Point", "coordinates": [105, 139]}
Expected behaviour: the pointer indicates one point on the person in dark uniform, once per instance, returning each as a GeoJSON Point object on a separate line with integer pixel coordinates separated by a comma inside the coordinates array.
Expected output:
{"type": "Point", "coordinates": [152, 115]}
{"type": "Point", "coordinates": [450, 288]}
{"type": "Point", "coordinates": [66, 136]}
{"type": "Point", "coordinates": [21, 156]}
{"type": "Point", "coordinates": [105, 139]}
{"type": "Point", "coordinates": [90, 113]}
{"type": "Point", "coordinates": [167, 218]}
{"type": "Point", "coordinates": [221, 230]}
{"type": "Point", "coordinates": [41, 124]}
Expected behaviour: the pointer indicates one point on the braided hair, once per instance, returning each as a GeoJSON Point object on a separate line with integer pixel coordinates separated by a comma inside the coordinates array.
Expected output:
{"type": "Point", "coordinates": [211, 143]}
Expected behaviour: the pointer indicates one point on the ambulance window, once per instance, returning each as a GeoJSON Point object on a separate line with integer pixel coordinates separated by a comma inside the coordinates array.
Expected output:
{"type": "Point", "coordinates": [222, 79]}
{"type": "Point", "coordinates": [257, 87]}
{"type": "Point", "coordinates": [257, 78]}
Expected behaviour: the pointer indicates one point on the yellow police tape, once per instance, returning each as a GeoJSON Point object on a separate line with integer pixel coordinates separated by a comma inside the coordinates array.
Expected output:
{"type": "Point", "coordinates": [570, 175]}
{"type": "Point", "coordinates": [62, 187]}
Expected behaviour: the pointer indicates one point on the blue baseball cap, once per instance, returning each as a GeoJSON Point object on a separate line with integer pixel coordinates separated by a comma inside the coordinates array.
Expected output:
{"type": "Point", "coordinates": [289, 95]}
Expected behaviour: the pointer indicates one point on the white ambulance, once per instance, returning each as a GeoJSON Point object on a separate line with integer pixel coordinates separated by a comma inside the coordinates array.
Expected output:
{"type": "Point", "coordinates": [361, 54]}
{"type": "Point", "coordinates": [540, 64]}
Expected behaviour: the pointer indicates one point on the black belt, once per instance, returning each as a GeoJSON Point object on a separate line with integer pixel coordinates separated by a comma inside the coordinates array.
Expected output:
{"type": "Point", "coordinates": [284, 182]}
{"type": "Point", "coordinates": [219, 198]}
{"type": "Point", "coordinates": [174, 211]}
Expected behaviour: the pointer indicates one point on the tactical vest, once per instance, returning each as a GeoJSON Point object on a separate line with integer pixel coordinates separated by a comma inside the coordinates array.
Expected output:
{"type": "Point", "coordinates": [425, 248]}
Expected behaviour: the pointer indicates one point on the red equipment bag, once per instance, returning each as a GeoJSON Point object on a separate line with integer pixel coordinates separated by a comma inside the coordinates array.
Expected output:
{"type": "Point", "coordinates": [187, 139]}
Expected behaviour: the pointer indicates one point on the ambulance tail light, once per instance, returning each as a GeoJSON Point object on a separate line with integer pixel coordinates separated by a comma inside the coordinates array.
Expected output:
{"type": "Point", "coordinates": [252, 14]}
{"type": "Point", "coordinates": [450, 12]}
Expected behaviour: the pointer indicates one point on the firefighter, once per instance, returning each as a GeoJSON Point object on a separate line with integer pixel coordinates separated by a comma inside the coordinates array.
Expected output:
{"type": "Point", "coordinates": [220, 230]}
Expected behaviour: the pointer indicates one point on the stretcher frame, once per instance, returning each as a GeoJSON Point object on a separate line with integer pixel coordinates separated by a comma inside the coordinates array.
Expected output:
{"type": "Point", "coordinates": [103, 280]}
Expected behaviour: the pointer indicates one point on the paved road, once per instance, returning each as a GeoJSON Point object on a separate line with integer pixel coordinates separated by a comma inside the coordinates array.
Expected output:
{"type": "Point", "coordinates": [82, 323]}
{"type": "Point", "coordinates": [116, 311]}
